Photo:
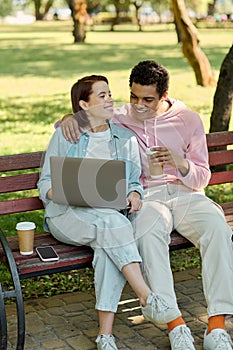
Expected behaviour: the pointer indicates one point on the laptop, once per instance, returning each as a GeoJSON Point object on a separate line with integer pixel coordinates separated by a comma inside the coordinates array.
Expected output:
{"type": "Point", "coordinates": [88, 182]}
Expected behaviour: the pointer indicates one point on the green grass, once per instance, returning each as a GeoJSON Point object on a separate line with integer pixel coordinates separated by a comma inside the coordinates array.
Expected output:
{"type": "Point", "coordinates": [39, 63]}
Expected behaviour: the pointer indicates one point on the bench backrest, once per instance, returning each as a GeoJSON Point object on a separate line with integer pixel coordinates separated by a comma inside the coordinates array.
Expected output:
{"type": "Point", "coordinates": [29, 164]}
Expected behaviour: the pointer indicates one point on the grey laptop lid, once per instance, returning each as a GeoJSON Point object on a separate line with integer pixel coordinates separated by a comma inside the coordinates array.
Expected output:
{"type": "Point", "coordinates": [88, 182]}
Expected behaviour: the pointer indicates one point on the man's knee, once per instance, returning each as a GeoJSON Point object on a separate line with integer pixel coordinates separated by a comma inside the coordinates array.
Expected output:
{"type": "Point", "coordinates": [153, 219]}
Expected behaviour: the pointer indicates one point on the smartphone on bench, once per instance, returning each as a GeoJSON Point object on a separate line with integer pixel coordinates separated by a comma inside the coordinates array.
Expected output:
{"type": "Point", "coordinates": [47, 253]}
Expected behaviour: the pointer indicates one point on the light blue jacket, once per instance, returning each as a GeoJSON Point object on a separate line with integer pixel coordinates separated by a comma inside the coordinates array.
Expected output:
{"type": "Point", "coordinates": [123, 146]}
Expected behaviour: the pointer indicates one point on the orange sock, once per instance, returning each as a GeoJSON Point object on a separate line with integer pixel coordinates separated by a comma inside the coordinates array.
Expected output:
{"type": "Point", "coordinates": [216, 322]}
{"type": "Point", "coordinates": [177, 322]}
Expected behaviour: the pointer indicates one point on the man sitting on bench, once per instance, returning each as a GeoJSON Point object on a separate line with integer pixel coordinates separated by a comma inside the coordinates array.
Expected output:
{"type": "Point", "coordinates": [176, 200]}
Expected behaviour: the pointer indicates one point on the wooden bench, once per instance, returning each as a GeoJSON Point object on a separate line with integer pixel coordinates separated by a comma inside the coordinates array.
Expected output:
{"type": "Point", "coordinates": [71, 257]}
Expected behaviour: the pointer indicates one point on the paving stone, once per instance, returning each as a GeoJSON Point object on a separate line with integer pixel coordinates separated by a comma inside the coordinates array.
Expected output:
{"type": "Point", "coordinates": [75, 307]}
{"type": "Point", "coordinates": [80, 343]}
{"type": "Point", "coordinates": [54, 344]}
{"type": "Point", "coordinates": [67, 331]}
{"type": "Point", "coordinates": [69, 321]}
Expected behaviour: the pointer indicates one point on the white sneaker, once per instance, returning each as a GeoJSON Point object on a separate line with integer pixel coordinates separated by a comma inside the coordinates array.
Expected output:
{"type": "Point", "coordinates": [217, 339]}
{"type": "Point", "coordinates": [106, 342]}
{"type": "Point", "coordinates": [181, 338]}
{"type": "Point", "coordinates": [157, 310]}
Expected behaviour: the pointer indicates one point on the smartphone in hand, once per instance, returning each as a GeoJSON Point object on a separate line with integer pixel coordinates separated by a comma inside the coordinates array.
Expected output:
{"type": "Point", "coordinates": [47, 253]}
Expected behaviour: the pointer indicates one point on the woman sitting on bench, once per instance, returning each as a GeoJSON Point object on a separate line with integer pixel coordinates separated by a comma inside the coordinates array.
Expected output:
{"type": "Point", "coordinates": [107, 231]}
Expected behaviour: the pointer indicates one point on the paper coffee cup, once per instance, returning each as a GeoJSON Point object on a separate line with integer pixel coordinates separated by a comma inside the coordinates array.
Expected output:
{"type": "Point", "coordinates": [26, 232]}
{"type": "Point", "coordinates": [156, 170]}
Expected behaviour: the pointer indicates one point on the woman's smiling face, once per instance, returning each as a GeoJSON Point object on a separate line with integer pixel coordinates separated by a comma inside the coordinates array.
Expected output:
{"type": "Point", "coordinates": [100, 102]}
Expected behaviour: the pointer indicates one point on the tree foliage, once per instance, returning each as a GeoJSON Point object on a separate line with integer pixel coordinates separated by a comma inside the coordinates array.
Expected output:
{"type": "Point", "coordinates": [5, 7]}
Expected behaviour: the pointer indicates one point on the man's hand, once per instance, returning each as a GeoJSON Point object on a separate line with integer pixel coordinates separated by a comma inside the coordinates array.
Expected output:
{"type": "Point", "coordinates": [134, 201]}
{"type": "Point", "coordinates": [166, 156]}
{"type": "Point", "coordinates": [70, 129]}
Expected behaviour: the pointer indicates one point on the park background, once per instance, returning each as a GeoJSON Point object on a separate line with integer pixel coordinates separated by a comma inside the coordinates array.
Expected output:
{"type": "Point", "coordinates": [39, 64]}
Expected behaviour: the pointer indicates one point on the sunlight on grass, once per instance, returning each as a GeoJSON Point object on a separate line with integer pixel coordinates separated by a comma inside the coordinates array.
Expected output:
{"type": "Point", "coordinates": [39, 64]}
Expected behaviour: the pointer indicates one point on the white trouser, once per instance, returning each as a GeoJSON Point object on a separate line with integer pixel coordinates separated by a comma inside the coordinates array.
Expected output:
{"type": "Point", "coordinates": [202, 221]}
{"type": "Point", "coordinates": [111, 236]}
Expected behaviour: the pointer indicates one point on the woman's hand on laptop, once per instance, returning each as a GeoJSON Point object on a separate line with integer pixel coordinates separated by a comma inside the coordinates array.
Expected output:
{"type": "Point", "coordinates": [70, 129]}
{"type": "Point", "coordinates": [134, 201]}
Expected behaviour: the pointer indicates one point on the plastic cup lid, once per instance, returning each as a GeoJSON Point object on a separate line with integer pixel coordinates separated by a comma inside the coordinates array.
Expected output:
{"type": "Point", "coordinates": [25, 225]}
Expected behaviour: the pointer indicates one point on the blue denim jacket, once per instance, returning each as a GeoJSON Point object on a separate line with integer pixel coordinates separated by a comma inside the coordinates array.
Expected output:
{"type": "Point", "coordinates": [123, 146]}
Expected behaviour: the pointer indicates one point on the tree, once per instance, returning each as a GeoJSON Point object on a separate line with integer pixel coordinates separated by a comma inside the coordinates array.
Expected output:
{"type": "Point", "coordinates": [5, 7]}
{"type": "Point", "coordinates": [211, 8]}
{"type": "Point", "coordinates": [119, 7]}
{"type": "Point", "coordinates": [160, 6]}
{"type": "Point", "coordinates": [93, 5]}
{"type": "Point", "coordinates": [42, 8]}
{"type": "Point", "coordinates": [138, 4]}
{"type": "Point", "coordinates": [79, 14]}
{"type": "Point", "coordinates": [190, 45]}
{"type": "Point", "coordinates": [223, 97]}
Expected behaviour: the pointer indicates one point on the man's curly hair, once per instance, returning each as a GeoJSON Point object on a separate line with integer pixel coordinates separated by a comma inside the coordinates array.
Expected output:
{"type": "Point", "coordinates": [150, 73]}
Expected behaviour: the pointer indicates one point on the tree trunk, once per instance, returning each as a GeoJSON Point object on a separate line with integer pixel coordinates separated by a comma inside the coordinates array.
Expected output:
{"type": "Point", "coordinates": [116, 19]}
{"type": "Point", "coordinates": [137, 8]}
{"type": "Point", "coordinates": [39, 12]}
{"type": "Point", "coordinates": [38, 15]}
{"type": "Point", "coordinates": [223, 97]}
{"type": "Point", "coordinates": [48, 5]}
{"type": "Point", "coordinates": [79, 14]}
{"type": "Point", "coordinates": [190, 45]}
{"type": "Point", "coordinates": [178, 33]}
{"type": "Point", "coordinates": [119, 7]}
{"type": "Point", "coordinates": [211, 8]}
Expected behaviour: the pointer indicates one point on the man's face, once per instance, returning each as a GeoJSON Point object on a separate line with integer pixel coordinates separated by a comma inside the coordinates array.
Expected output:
{"type": "Point", "coordinates": [146, 98]}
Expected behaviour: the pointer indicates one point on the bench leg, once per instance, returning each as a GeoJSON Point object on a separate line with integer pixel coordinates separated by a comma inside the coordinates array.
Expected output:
{"type": "Point", "coordinates": [15, 293]}
{"type": "Point", "coordinates": [3, 323]}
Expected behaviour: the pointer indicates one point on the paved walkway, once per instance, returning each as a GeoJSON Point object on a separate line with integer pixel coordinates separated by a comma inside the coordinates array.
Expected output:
{"type": "Point", "coordinates": [69, 321]}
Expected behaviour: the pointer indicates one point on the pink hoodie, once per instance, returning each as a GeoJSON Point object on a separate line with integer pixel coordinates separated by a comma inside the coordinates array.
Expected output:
{"type": "Point", "coordinates": [179, 129]}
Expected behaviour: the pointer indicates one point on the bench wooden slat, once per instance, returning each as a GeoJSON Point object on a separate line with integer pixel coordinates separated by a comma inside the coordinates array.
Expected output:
{"type": "Point", "coordinates": [221, 138]}
{"type": "Point", "coordinates": [227, 207]}
{"type": "Point", "coordinates": [70, 257]}
{"type": "Point", "coordinates": [21, 161]}
{"type": "Point", "coordinates": [42, 239]}
{"type": "Point", "coordinates": [221, 157]}
{"type": "Point", "coordinates": [67, 261]}
{"type": "Point", "coordinates": [18, 182]}
{"type": "Point", "coordinates": [20, 205]}
{"type": "Point", "coordinates": [221, 177]}
{"type": "Point", "coordinates": [179, 242]}
{"type": "Point", "coordinates": [230, 220]}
